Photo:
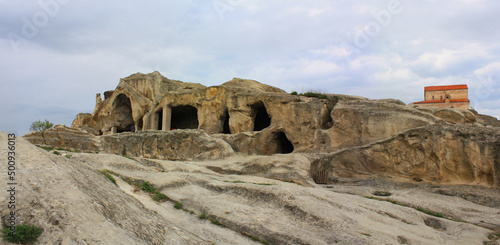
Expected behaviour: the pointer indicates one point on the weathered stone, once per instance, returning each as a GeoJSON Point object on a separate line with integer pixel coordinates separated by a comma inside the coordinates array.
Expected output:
{"type": "Point", "coordinates": [173, 145]}
{"type": "Point", "coordinates": [65, 137]}
{"type": "Point", "coordinates": [454, 154]}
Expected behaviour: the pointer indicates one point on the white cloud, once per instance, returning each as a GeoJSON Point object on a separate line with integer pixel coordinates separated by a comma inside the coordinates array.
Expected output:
{"type": "Point", "coordinates": [296, 45]}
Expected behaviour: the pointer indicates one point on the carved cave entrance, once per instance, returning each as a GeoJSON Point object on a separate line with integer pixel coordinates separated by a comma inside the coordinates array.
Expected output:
{"type": "Point", "coordinates": [260, 117]}
{"type": "Point", "coordinates": [159, 115]}
{"type": "Point", "coordinates": [184, 117]}
{"type": "Point", "coordinates": [284, 146]}
{"type": "Point", "coordinates": [225, 126]}
{"type": "Point", "coordinates": [123, 114]}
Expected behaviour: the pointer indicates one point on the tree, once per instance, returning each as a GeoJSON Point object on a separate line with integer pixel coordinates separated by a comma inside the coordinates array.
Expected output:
{"type": "Point", "coordinates": [41, 126]}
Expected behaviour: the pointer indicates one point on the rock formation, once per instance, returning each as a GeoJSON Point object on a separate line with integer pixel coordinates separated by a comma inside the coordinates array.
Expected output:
{"type": "Point", "coordinates": [263, 166]}
{"type": "Point", "coordinates": [186, 121]}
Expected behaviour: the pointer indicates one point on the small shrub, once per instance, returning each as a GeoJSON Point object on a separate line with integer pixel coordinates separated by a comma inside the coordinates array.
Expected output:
{"type": "Point", "coordinates": [178, 205]}
{"type": "Point", "coordinates": [24, 234]}
{"type": "Point", "coordinates": [191, 212]}
{"type": "Point", "coordinates": [57, 153]}
{"type": "Point", "coordinates": [294, 93]}
{"type": "Point", "coordinates": [68, 156]}
{"type": "Point", "coordinates": [203, 216]}
{"type": "Point", "coordinates": [60, 149]}
{"type": "Point", "coordinates": [146, 186]}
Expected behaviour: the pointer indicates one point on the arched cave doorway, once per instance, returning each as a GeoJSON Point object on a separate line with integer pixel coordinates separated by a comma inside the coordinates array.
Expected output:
{"type": "Point", "coordinates": [184, 117]}
{"type": "Point", "coordinates": [284, 146]}
{"type": "Point", "coordinates": [122, 113]}
{"type": "Point", "coordinates": [225, 126]}
{"type": "Point", "coordinates": [260, 117]}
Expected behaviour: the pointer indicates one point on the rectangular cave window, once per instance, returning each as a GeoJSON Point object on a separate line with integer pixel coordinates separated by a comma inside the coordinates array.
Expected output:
{"type": "Point", "coordinates": [184, 117]}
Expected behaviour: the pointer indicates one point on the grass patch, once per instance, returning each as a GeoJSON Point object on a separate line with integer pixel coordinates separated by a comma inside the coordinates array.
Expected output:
{"type": "Point", "coordinates": [56, 153]}
{"type": "Point", "coordinates": [146, 186]}
{"type": "Point", "coordinates": [129, 157]}
{"type": "Point", "coordinates": [158, 196]}
{"type": "Point", "coordinates": [216, 222]}
{"type": "Point", "coordinates": [202, 216]}
{"type": "Point", "coordinates": [429, 212]}
{"type": "Point", "coordinates": [366, 234]}
{"type": "Point", "coordinates": [60, 149]}
{"type": "Point", "coordinates": [47, 148]}
{"type": "Point", "coordinates": [178, 205]}
{"type": "Point", "coordinates": [24, 234]}
{"type": "Point", "coordinates": [108, 173]}
{"type": "Point", "coordinates": [68, 156]}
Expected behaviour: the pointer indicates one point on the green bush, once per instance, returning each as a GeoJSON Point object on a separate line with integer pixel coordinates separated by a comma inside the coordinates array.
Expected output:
{"type": "Point", "coordinates": [41, 126]}
{"type": "Point", "coordinates": [146, 186]}
{"type": "Point", "coordinates": [24, 234]}
{"type": "Point", "coordinates": [294, 93]}
{"type": "Point", "coordinates": [203, 216]}
{"type": "Point", "coordinates": [57, 153]}
{"type": "Point", "coordinates": [316, 95]}
{"type": "Point", "coordinates": [178, 205]}
{"type": "Point", "coordinates": [68, 156]}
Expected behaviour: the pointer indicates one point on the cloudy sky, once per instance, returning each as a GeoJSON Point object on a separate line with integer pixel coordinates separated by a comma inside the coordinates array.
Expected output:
{"type": "Point", "coordinates": [57, 54]}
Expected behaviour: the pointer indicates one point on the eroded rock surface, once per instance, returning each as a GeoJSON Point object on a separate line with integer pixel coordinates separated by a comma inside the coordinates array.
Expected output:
{"type": "Point", "coordinates": [454, 154]}
{"type": "Point", "coordinates": [250, 195]}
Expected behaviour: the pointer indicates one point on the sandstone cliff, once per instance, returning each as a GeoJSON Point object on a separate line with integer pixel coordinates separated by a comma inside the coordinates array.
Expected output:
{"type": "Point", "coordinates": [186, 121]}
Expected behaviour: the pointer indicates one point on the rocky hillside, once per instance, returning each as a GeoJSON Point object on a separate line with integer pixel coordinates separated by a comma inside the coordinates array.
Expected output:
{"type": "Point", "coordinates": [247, 163]}
{"type": "Point", "coordinates": [236, 200]}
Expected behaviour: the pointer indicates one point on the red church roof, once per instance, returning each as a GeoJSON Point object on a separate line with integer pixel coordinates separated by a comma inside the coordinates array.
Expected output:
{"type": "Point", "coordinates": [448, 87]}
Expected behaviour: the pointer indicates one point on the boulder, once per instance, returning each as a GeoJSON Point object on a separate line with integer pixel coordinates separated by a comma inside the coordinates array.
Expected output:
{"type": "Point", "coordinates": [65, 137]}
{"type": "Point", "coordinates": [172, 145]}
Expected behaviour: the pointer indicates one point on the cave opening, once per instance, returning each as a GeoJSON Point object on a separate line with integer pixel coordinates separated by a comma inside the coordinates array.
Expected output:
{"type": "Point", "coordinates": [140, 125]}
{"type": "Point", "coordinates": [123, 114]}
{"type": "Point", "coordinates": [184, 117]}
{"type": "Point", "coordinates": [326, 120]}
{"type": "Point", "coordinates": [261, 118]}
{"type": "Point", "coordinates": [225, 126]}
{"type": "Point", "coordinates": [159, 115]}
{"type": "Point", "coordinates": [284, 146]}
